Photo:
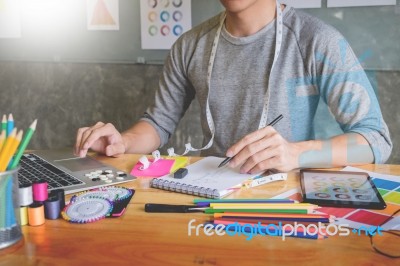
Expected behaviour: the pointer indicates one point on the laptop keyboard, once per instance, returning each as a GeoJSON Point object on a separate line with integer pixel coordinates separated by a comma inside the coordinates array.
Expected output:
{"type": "Point", "coordinates": [33, 168]}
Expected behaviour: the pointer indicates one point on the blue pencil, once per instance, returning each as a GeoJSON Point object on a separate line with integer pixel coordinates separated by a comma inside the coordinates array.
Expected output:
{"type": "Point", "coordinates": [10, 215]}
{"type": "Point", "coordinates": [3, 201]}
{"type": "Point", "coordinates": [10, 124]}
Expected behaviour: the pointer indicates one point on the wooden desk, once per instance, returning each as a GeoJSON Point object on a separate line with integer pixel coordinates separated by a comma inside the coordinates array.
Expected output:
{"type": "Point", "coordinates": [139, 238]}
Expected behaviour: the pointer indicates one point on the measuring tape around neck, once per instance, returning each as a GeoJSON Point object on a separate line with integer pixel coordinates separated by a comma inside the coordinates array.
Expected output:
{"type": "Point", "coordinates": [264, 116]}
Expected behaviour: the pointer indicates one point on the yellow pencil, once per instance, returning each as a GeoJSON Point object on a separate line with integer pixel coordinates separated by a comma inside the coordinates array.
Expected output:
{"type": "Point", "coordinates": [10, 147]}
{"type": "Point", "coordinates": [7, 145]}
{"type": "Point", "coordinates": [2, 139]}
{"type": "Point", "coordinates": [14, 148]}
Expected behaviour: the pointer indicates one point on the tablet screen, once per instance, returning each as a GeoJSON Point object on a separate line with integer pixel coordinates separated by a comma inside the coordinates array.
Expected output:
{"type": "Point", "coordinates": [340, 189]}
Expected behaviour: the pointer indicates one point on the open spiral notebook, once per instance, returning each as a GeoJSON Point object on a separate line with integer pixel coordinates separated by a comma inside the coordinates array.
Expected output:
{"type": "Point", "coordinates": [205, 179]}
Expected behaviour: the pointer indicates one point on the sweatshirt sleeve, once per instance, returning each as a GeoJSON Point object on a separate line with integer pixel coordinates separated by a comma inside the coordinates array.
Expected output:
{"type": "Point", "coordinates": [346, 89]}
{"type": "Point", "coordinates": [173, 95]}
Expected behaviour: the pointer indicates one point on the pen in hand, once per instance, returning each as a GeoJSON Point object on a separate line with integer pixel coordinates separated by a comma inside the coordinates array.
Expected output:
{"type": "Point", "coordinates": [273, 123]}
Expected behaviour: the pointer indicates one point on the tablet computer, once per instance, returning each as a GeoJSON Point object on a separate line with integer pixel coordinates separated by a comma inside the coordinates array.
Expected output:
{"type": "Point", "coordinates": [340, 189]}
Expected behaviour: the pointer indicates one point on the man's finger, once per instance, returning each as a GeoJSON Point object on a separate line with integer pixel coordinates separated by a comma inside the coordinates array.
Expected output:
{"type": "Point", "coordinates": [115, 149]}
{"type": "Point", "coordinates": [254, 163]}
{"type": "Point", "coordinates": [250, 138]}
{"type": "Point", "coordinates": [78, 139]}
{"type": "Point", "coordinates": [252, 149]}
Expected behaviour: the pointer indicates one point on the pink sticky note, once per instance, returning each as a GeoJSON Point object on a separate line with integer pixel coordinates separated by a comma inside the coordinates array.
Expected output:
{"type": "Point", "coordinates": [160, 168]}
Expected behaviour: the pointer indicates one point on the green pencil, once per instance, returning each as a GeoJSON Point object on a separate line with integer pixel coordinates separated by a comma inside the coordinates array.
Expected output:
{"type": "Point", "coordinates": [24, 144]}
{"type": "Point", "coordinates": [4, 123]}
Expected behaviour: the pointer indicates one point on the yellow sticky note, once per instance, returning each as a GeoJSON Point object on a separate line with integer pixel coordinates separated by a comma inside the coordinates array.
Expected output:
{"type": "Point", "coordinates": [179, 163]}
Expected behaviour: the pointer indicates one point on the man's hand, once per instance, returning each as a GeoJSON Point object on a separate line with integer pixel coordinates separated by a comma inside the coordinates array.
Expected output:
{"type": "Point", "coordinates": [102, 138]}
{"type": "Point", "coordinates": [262, 150]}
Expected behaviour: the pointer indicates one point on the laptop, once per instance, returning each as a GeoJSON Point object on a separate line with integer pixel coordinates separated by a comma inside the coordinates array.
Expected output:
{"type": "Point", "coordinates": [63, 170]}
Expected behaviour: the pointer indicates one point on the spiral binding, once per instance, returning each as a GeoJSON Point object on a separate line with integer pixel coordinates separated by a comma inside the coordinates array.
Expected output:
{"type": "Point", "coordinates": [184, 188]}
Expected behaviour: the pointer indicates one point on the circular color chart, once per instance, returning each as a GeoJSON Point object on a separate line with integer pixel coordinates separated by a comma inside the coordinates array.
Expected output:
{"type": "Point", "coordinates": [177, 30]}
{"type": "Point", "coordinates": [164, 16]}
{"type": "Point", "coordinates": [338, 184]}
{"type": "Point", "coordinates": [165, 30]}
{"type": "Point", "coordinates": [322, 195]}
{"type": "Point", "coordinates": [321, 189]}
{"type": "Point", "coordinates": [335, 178]}
{"type": "Point", "coordinates": [360, 191]}
{"type": "Point", "coordinates": [342, 196]}
{"type": "Point", "coordinates": [152, 16]}
{"type": "Point", "coordinates": [177, 3]}
{"type": "Point", "coordinates": [153, 30]}
{"type": "Point", "coordinates": [340, 190]}
{"type": "Point", "coordinates": [152, 3]}
{"type": "Point", "coordinates": [355, 185]}
{"type": "Point", "coordinates": [363, 197]}
{"type": "Point", "coordinates": [165, 3]}
{"type": "Point", "coordinates": [177, 15]}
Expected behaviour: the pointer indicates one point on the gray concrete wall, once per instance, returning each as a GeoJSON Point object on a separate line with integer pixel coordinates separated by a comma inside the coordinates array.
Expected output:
{"type": "Point", "coordinates": [67, 96]}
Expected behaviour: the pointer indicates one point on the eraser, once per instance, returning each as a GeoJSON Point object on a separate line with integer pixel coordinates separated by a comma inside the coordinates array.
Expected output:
{"type": "Point", "coordinates": [180, 173]}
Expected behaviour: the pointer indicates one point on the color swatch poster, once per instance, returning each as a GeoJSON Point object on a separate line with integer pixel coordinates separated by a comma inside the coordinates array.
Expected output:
{"type": "Point", "coordinates": [10, 19]}
{"type": "Point", "coordinates": [344, 3]}
{"type": "Point", "coordinates": [389, 188]}
{"type": "Point", "coordinates": [163, 21]}
{"type": "Point", "coordinates": [302, 3]}
{"type": "Point", "coordinates": [102, 14]}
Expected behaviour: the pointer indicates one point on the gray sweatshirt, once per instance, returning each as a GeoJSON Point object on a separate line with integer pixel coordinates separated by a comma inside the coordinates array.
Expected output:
{"type": "Point", "coordinates": [316, 63]}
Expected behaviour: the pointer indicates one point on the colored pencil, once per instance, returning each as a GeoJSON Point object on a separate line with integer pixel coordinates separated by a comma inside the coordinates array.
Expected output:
{"type": "Point", "coordinates": [10, 124]}
{"type": "Point", "coordinates": [2, 138]}
{"type": "Point", "coordinates": [3, 209]}
{"type": "Point", "coordinates": [207, 202]}
{"type": "Point", "coordinates": [4, 123]}
{"type": "Point", "coordinates": [9, 149]}
{"type": "Point", "coordinates": [278, 220]}
{"type": "Point", "coordinates": [272, 215]}
{"type": "Point", "coordinates": [10, 215]}
{"type": "Point", "coordinates": [300, 211]}
{"type": "Point", "coordinates": [24, 144]}
{"type": "Point", "coordinates": [263, 206]}
{"type": "Point", "coordinates": [271, 231]}
{"type": "Point", "coordinates": [14, 148]}
{"type": "Point", "coordinates": [7, 146]}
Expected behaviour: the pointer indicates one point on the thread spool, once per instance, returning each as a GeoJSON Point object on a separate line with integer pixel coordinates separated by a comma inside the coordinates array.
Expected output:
{"type": "Point", "coordinates": [52, 207]}
{"type": "Point", "coordinates": [36, 214]}
{"type": "Point", "coordinates": [23, 215]}
{"type": "Point", "coordinates": [61, 196]}
{"type": "Point", "coordinates": [40, 192]}
{"type": "Point", "coordinates": [25, 195]}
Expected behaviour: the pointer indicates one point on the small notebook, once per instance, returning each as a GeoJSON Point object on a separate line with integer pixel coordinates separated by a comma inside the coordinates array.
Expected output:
{"type": "Point", "coordinates": [205, 179]}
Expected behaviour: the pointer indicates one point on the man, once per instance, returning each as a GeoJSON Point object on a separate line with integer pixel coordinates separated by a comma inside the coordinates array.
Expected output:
{"type": "Point", "coordinates": [258, 62]}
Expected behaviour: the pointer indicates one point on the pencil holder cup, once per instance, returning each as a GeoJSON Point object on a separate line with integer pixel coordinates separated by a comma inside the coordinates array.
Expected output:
{"type": "Point", "coordinates": [10, 225]}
